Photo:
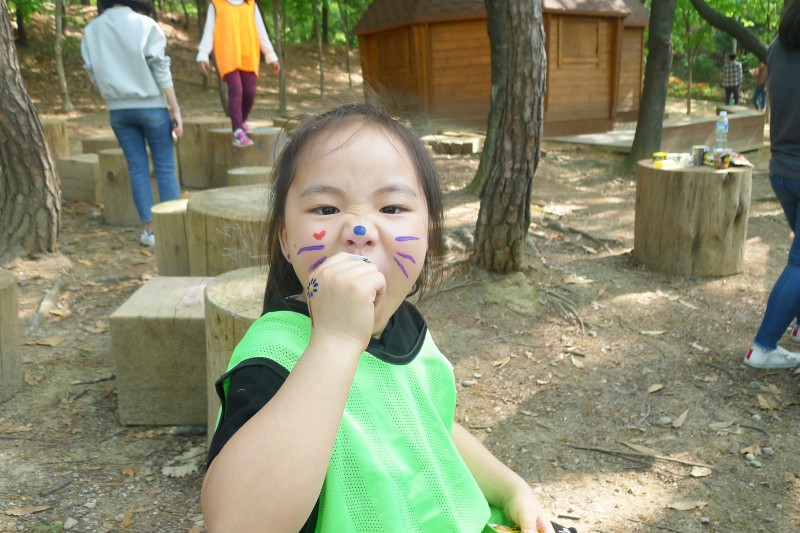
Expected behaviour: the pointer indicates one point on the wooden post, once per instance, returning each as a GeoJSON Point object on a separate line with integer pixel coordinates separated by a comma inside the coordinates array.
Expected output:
{"type": "Point", "coordinates": [172, 250]}
{"type": "Point", "coordinates": [118, 206]}
{"type": "Point", "coordinates": [233, 302]}
{"type": "Point", "coordinates": [10, 357]}
{"type": "Point", "coordinates": [691, 221]}
{"type": "Point", "coordinates": [56, 136]}
{"type": "Point", "coordinates": [248, 176]}
{"type": "Point", "coordinates": [80, 178]}
{"type": "Point", "coordinates": [225, 229]}
{"type": "Point", "coordinates": [267, 144]}
{"type": "Point", "coordinates": [96, 143]}
{"type": "Point", "coordinates": [194, 155]}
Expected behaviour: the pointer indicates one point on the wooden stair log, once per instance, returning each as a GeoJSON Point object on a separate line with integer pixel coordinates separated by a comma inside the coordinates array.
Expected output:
{"type": "Point", "coordinates": [118, 206]}
{"type": "Point", "coordinates": [233, 301]}
{"type": "Point", "coordinates": [248, 176]}
{"type": "Point", "coordinates": [691, 221]}
{"type": "Point", "coordinates": [267, 144]}
{"type": "Point", "coordinates": [80, 178]}
{"type": "Point", "coordinates": [194, 155]}
{"type": "Point", "coordinates": [94, 144]}
{"type": "Point", "coordinates": [225, 228]}
{"type": "Point", "coordinates": [10, 356]}
{"type": "Point", "coordinates": [56, 136]}
{"type": "Point", "coordinates": [172, 249]}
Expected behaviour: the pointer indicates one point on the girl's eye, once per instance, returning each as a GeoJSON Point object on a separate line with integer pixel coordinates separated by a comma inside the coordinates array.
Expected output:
{"type": "Point", "coordinates": [326, 210]}
{"type": "Point", "coordinates": [391, 210]}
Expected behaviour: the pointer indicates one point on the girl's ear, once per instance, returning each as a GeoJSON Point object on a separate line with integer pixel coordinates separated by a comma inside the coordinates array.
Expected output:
{"type": "Point", "coordinates": [284, 244]}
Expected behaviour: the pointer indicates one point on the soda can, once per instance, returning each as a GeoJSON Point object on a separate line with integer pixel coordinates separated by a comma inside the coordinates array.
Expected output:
{"type": "Point", "coordinates": [699, 152]}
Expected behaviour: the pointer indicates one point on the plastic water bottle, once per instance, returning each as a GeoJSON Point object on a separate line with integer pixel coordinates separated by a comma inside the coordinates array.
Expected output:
{"type": "Point", "coordinates": [721, 130]}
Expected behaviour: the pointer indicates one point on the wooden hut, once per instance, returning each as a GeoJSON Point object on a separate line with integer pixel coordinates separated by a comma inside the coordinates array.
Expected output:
{"type": "Point", "coordinates": [432, 58]}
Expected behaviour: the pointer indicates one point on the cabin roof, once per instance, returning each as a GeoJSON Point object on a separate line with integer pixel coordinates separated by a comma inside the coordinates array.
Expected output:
{"type": "Point", "coordinates": [387, 14]}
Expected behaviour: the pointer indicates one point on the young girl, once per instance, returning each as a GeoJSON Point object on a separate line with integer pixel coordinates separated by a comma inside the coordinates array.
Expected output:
{"type": "Point", "coordinates": [235, 28]}
{"type": "Point", "coordinates": [337, 408]}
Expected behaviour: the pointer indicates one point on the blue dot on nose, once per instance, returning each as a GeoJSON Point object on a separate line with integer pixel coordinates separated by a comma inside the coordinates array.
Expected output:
{"type": "Point", "coordinates": [360, 230]}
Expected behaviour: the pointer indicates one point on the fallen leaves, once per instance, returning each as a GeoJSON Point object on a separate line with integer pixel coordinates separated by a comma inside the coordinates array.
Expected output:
{"type": "Point", "coordinates": [24, 511]}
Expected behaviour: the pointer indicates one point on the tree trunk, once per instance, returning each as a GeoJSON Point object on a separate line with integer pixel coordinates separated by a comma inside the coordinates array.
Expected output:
{"type": "Point", "coordinates": [343, 12]}
{"type": "Point", "coordinates": [732, 27]}
{"type": "Point", "coordinates": [318, 33]}
{"type": "Point", "coordinates": [656, 77]}
{"type": "Point", "coordinates": [504, 217]}
{"type": "Point", "coordinates": [62, 79]}
{"type": "Point", "coordinates": [30, 201]}
{"type": "Point", "coordinates": [277, 14]}
{"type": "Point", "coordinates": [326, 15]}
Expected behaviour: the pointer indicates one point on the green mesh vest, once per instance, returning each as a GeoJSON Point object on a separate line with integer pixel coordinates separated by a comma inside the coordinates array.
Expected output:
{"type": "Point", "coordinates": [394, 466]}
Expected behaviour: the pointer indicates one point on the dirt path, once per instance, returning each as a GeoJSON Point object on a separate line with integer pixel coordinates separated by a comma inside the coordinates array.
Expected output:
{"type": "Point", "coordinates": [617, 391]}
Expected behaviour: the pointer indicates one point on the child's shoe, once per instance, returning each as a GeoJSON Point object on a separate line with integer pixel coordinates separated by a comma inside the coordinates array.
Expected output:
{"type": "Point", "coordinates": [246, 127]}
{"type": "Point", "coordinates": [795, 336]}
{"type": "Point", "coordinates": [148, 238]}
{"type": "Point", "coordinates": [758, 357]}
{"type": "Point", "coordinates": [240, 139]}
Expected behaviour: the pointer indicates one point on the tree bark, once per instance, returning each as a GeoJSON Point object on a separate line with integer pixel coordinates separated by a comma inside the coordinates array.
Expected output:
{"type": "Point", "coordinates": [656, 77]}
{"type": "Point", "coordinates": [30, 200]}
{"type": "Point", "coordinates": [732, 27]}
{"type": "Point", "coordinates": [504, 217]}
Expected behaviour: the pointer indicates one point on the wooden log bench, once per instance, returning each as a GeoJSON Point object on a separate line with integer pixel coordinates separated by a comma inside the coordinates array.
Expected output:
{"type": "Point", "coordinates": [94, 144]}
{"type": "Point", "coordinates": [248, 176]}
{"type": "Point", "coordinates": [10, 356]}
{"type": "Point", "coordinates": [80, 178]}
{"type": "Point", "coordinates": [118, 206]}
{"type": "Point", "coordinates": [267, 144]}
{"type": "Point", "coordinates": [56, 136]}
{"type": "Point", "coordinates": [194, 156]}
{"type": "Point", "coordinates": [234, 301]}
{"type": "Point", "coordinates": [225, 229]}
{"type": "Point", "coordinates": [691, 221]}
{"type": "Point", "coordinates": [172, 248]}
{"type": "Point", "coordinates": [159, 351]}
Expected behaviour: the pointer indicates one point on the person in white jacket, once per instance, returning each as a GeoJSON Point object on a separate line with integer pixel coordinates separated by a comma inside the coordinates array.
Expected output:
{"type": "Point", "coordinates": [124, 53]}
{"type": "Point", "coordinates": [235, 31]}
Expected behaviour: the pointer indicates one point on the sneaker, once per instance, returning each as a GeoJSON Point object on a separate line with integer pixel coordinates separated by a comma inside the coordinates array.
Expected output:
{"type": "Point", "coordinates": [240, 139]}
{"type": "Point", "coordinates": [758, 357]}
{"type": "Point", "coordinates": [246, 127]}
{"type": "Point", "coordinates": [795, 336]}
{"type": "Point", "coordinates": [148, 238]}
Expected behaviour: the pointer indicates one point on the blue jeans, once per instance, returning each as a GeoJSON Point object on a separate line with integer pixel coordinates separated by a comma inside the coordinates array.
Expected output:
{"type": "Point", "coordinates": [783, 304]}
{"type": "Point", "coordinates": [760, 97]}
{"type": "Point", "coordinates": [133, 127]}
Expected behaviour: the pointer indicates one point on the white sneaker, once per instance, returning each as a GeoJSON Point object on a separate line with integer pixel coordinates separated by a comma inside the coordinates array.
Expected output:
{"type": "Point", "coordinates": [758, 357]}
{"type": "Point", "coordinates": [147, 238]}
{"type": "Point", "coordinates": [795, 336]}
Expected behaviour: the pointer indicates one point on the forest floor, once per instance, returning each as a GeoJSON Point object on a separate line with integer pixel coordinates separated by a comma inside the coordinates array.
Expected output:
{"type": "Point", "coordinates": [618, 392]}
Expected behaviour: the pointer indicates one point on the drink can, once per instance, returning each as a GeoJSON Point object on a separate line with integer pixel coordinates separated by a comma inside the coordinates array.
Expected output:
{"type": "Point", "coordinates": [722, 158]}
{"type": "Point", "coordinates": [699, 152]}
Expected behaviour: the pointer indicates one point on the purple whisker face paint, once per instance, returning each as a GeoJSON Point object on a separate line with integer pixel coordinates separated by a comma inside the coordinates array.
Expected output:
{"type": "Point", "coordinates": [311, 248]}
{"type": "Point", "coordinates": [406, 238]}
{"type": "Point", "coordinates": [401, 267]}
{"type": "Point", "coordinates": [317, 263]}
{"type": "Point", "coordinates": [406, 256]}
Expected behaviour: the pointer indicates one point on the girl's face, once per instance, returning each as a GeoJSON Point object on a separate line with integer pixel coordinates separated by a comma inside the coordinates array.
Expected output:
{"type": "Point", "coordinates": [356, 191]}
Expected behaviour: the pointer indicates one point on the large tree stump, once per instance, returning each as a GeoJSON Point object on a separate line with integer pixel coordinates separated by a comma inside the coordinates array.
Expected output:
{"type": "Point", "coordinates": [193, 151]}
{"type": "Point", "coordinates": [233, 302]}
{"type": "Point", "coordinates": [56, 136]}
{"type": "Point", "coordinates": [118, 206]}
{"type": "Point", "coordinates": [10, 357]}
{"type": "Point", "coordinates": [96, 143]}
{"type": "Point", "coordinates": [80, 178]}
{"type": "Point", "coordinates": [225, 229]}
{"type": "Point", "coordinates": [691, 221]}
{"type": "Point", "coordinates": [172, 249]}
{"type": "Point", "coordinates": [248, 176]}
{"type": "Point", "coordinates": [267, 144]}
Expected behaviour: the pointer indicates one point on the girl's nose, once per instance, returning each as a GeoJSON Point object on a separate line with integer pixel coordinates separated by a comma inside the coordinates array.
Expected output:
{"type": "Point", "coordinates": [359, 236]}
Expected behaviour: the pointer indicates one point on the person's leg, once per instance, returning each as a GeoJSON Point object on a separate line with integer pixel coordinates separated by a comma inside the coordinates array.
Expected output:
{"type": "Point", "coordinates": [783, 304]}
{"type": "Point", "coordinates": [249, 83]}
{"type": "Point", "coordinates": [129, 134]}
{"type": "Point", "coordinates": [234, 82]}
{"type": "Point", "coordinates": [762, 98]}
{"type": "Point", "coordinates": [728, 94]}
{"type": "Point", "coordinates": [157, 128]}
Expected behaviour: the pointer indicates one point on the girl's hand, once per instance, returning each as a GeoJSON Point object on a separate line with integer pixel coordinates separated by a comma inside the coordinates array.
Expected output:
{"type": "Point", "coordinates": [524, 508]}
{"type": "Point", "coordinates": [341, 296]}
{"type": "Point", "coordinates": [276, 67]}
{"type": "Point", "coordinates": [177, 125]}
{"type": "Point", "coordinates": [203, 65]}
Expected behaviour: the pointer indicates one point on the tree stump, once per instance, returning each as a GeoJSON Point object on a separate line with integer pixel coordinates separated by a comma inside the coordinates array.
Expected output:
{"type": "Point", "coordinates": [56, 136]}
{"type": "Point", "coordinates": [233, 302]}
{"type": "Point", "coordinates": [691, 221]}
{"type": "Point", "coordinates": [118, 206]}
{"type": "Point", "coordinates": [172, 250]}
{"type": "Point", "coordinates": [80, 178]}
{"type": "Point", "coordinates": [267, 144]}
{"type": "Point", "coordinates": [248, 176]}
{"type": "Point", "coordinates": [225, 229]}
{"type": "Point", "coordinates": [10, 357]}
{"type": "Point", "coordinates": [194, 155]}
{"type": "Point", "coordinates": [96, 143]}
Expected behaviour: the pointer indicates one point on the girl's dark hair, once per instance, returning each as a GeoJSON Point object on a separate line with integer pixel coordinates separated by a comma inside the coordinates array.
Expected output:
{"type": "Point", "coordinates": [281, 279]}
{"type": "Point", "coordinates": [140, 6]}
{"type": "Point", "coordinates": [789, 25]}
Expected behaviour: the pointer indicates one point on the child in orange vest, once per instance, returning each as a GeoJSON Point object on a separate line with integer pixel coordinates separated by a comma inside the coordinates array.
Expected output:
{"type": "Point", "coordinates": [236, 30]}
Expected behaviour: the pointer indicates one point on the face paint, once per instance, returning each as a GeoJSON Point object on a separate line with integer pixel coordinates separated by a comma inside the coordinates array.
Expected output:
{"type": "Point", "coordinates": [311, 248]}
{"type": "Point", "coordinates": [406, 238]}
{"type": "Point", "coordinates": [401, 266]}
{"type": "Point", "coordinates": [312, 287]}
{"type": "Point", "coordinates": [319, 235]}
{"type": "Point", "coordinates": [360, 230]}
{"type": "Point", "coordinates": [317, 263]}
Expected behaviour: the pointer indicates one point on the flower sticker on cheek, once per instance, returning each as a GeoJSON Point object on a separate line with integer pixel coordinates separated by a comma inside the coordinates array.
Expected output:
{"type": "Point", "coordinates": [312, 288]}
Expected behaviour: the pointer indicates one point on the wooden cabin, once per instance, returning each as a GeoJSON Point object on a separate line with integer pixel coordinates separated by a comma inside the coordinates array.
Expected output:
{"type": "Point", "coordinates": [432, 58]}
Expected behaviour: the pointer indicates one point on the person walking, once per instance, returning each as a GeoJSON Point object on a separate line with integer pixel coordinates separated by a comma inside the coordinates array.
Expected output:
{"type": "Point", "coordinates": [732, 79]}
{"type": "Point", "coordinates": [783, 79]}
{"type": "Point", "coordinates": [124, 53]}
{"type": "Point", "coordinates": [235, 31]}
{"type": "Point", "coordinates": [760, 92]}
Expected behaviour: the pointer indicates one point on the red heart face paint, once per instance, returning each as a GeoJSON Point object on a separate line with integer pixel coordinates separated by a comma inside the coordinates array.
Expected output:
{"type": "Point", "coordinates": [319, 235]}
